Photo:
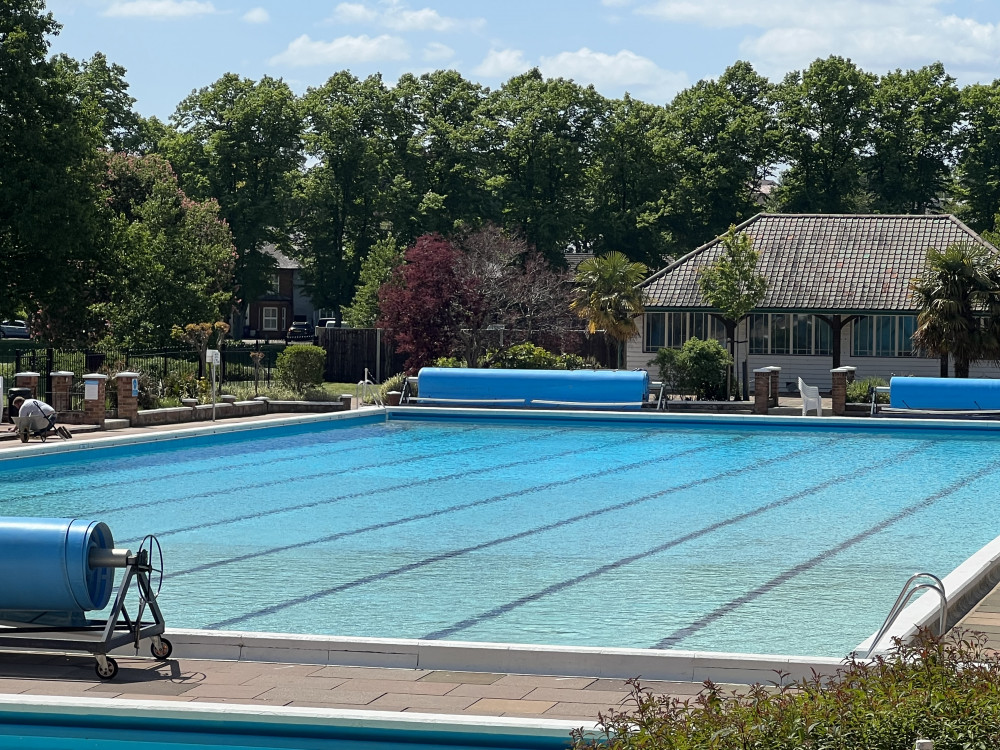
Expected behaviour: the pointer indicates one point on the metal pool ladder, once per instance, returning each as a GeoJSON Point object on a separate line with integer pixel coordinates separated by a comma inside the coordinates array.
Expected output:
{"type": "Point", "coordinates": [368, 387]}
{"type": "Point", "coordinates": [903, 599]}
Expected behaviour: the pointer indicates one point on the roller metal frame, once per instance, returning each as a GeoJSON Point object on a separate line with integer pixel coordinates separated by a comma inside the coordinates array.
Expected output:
{"type": "Point", "coordinates": [119, 630]}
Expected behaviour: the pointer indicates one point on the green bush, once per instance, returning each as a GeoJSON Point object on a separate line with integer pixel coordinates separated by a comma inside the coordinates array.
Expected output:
{"type": "Point", "coordinates": [946, 690]}
{"type": "Point", "coordinates": [299, 367]}
{"type": "Point", "coordinates": [393, 383]}
{"type": "Point", "coordinates": [698, 368]}
{"type": "Point", "coordinates": [526, 356]}
{"type": "Point", "coordinates": [449, 362]}
{"type": "Point", "coordinates": [860, 391]}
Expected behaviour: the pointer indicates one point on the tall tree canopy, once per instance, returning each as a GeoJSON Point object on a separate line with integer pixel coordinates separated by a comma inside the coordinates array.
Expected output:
{"type": "Point", "coordinates": [979, 162]}
{"type": "Point", "coordinates": [239, 142]}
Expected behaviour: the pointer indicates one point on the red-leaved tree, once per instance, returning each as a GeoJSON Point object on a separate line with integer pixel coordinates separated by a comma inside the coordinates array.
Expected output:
{"type": "Point", "coordinates": [420, 306]}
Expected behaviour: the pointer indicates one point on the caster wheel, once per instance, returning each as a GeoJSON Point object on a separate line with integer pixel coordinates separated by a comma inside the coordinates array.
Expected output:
{"type": "Point", "coordinates": [109, 672]}
{"type": "Point", "coordinates": [163, 652]}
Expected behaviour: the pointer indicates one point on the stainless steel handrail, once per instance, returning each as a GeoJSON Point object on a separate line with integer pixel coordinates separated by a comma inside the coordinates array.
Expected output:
{"type": "Point", "coordinates": [362, 390]}
{"type": "Point", "coordinates": [904, 597]}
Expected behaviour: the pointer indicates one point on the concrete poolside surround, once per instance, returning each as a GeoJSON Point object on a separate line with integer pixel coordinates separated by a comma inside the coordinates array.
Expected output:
{"type": "Point", "coordinates": [407, 676]}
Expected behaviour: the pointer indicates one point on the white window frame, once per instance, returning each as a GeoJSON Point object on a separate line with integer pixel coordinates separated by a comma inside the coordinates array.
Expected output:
{"type": "Point", "coordinates": [900, 328]}
{"type": "Point", "coordinates": [678, 327]}
{"type": "Point", "coordinates": [269, 318]}
{"type": "Point", "coordinates": [786, 323]}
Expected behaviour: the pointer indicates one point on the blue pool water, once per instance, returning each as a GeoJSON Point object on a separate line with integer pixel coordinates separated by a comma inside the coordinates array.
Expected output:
{"type": "Point", "coordinates": [683, 536]}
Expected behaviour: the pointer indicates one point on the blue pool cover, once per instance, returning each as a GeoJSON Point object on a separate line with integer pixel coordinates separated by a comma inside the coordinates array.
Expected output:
{"type": "Point", "coordinates": [946, 394]}
{"type": "Point", "coordinates": [537, 388]}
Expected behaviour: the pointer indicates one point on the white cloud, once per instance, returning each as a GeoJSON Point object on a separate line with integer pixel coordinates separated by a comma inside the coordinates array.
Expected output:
{"type": "Point", "coordinates": [398, 17]}
{"type": "Point", "coordinates": [876, 34]}
{"type": "Point", "coordinates": [435, 52]}
{"type": "Point", "coordinates": [159, 9]}
{"type": "Point", "coordinates": [256, 15]}
{"type": "Point", "coordinates": [501, 63]}
{"type": "Point", "coordinates": [613, 74]}
{"type": "Point", "coordinates": [303, 52]}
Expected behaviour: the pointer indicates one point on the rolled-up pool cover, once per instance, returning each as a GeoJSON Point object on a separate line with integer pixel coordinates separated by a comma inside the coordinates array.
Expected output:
{"type": "Point", "coordinates": [537, 388]}
{"type": "Point", "coordinates": [948, 394]}
{"type": "Point", "coordinates": [44, 565]}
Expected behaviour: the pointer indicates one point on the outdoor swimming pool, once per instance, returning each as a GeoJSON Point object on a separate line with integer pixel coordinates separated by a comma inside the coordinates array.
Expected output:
{"type": "Point", "coordinates": [630, 534]}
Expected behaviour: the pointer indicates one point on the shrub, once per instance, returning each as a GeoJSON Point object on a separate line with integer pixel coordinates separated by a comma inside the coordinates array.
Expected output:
{"type": "Point", "coordinates": [300, 366]}
{"type": "Point", "coordinates": [449, 362]}
{"type": "Point", "coordinates": [860, 391]}
{"type": "Point", "coordinates": [526, 356]}
{"type": "Point", "coordinates": [946, 690]}
{"type": "Point", "coordinates": [393, 383]}
{"type": "Point", "coordinates": [698, 367]}
{"type": "Point", "coordinates": [573, 362]}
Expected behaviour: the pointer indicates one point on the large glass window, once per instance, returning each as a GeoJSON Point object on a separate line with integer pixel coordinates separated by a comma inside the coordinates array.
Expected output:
{"type": "Point", "coordinates": [781, 333]}
{"type": "Point", "coordinates": [883, 336]}
{"type": "Point", "coordinates": [674, 328]}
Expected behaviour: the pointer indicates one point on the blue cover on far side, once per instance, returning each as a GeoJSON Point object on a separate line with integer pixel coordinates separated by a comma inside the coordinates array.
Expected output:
{"type": "Point", "coordinates": [590, 388]}
{"type": "Point", "coordinates": [947, 394]}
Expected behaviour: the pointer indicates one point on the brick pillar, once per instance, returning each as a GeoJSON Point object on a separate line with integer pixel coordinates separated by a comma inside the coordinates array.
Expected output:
{"type": "Point", "coordinates": [128, 397]}
{"type": "Point", "coordinates": [839, 377]}
{"type": "Point", "coordinates": [27, 380]}
{"type": "Point", "coordinates": [775, 383]}
{"type": "Point", "coordinates": [93, 398]}
{"type": "Point", "coordinates": [761, 390]}
{"type": "Point", "coordinates": [61, 382]}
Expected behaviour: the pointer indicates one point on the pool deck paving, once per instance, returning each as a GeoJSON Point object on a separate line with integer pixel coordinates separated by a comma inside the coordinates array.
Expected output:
{"type": "Point", "coordinates": [332, 687]}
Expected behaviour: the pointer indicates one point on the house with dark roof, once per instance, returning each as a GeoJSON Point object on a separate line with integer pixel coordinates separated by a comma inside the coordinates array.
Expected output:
{"type": "Point", "coordinates": [838, 295]}
{"type": "Point", "coordinates": [270, 314]}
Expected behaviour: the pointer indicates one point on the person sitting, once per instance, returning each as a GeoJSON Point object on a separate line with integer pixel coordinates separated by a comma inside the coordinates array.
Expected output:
{"type": "Point", "coordinates": [35, 417]}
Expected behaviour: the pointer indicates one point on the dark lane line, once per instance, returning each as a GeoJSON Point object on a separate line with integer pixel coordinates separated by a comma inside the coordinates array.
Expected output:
{"type": "Point", "coordinates": [690, 536]}
{"type": "Point", "coordinates": [451, 509]}
{"type": "Point", "coordinates": [334, 446]}
{"type": "Point", "coordinates": [379, 490]}
{"type": "Point", "coordinates": [222, 492]}
{"type": "Point", "coordinates": [703, 622]}
{"type": "Point", "coordinates": [513, 537]}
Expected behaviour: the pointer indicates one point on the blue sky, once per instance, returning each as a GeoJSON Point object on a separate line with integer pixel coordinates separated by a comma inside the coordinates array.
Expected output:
{"type": "Point", "coordinates": [650, 48]}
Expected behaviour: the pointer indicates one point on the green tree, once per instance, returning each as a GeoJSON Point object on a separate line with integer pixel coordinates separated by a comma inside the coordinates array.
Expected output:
{"type": "Point", "coordinates": [540, 142]}
{"type": "Point", "coordinates": [608, 298]}
{"type": "Point", "coordinates": [824, 114]}
{"type": "Point", "coordinates": [733, 286]}
{"type": "Point", "coordinates": [721, 140]}
{"type": "Point", "coordinates": [913, 139]}
{"type": "Point", "coordinates": [50, 232]}
{"type": "Point", "coordinates": [958, 288]}
{"type": "Point", "coordinates": [239, 142]}
{"type": "Point", "coordinates": [376, 269]}
{"type": "Point", "coordinates": [101, 86]}
{"type": "Point", "coordinates": [627, 180]}
{"type": "Point", "coordinates": [170, 259]}
{"type": "Point", "coordinates": [979, 162]}
{"type": "Point", "coordinates": [345, 194]}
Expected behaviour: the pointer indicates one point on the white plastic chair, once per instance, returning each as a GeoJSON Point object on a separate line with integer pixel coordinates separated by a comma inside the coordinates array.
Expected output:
{"type": "Point", "coordinates": [810, 399]}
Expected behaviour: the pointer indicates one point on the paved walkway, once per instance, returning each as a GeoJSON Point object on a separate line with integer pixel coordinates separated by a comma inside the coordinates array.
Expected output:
{"type": "Point", "coordinates": [260, 684]}
{"type": "Point", "coordinates": [985, 618]}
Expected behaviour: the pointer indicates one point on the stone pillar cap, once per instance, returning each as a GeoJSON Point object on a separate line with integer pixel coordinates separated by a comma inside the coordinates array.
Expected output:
{"type": "Point", "coordinates": [763, 370]}
{"type": "Point", "coordinates": [843, 369]}
{"type": "Point", "coordinates": [26, 375]}
{"type": "Point", "coordinates": [95, 376]}
{"type": "Point", "coordinates": [127, 375]}
{"type": "Point", "coordinates": [773, 368]}
{"type": "Point", "coordinates": [60, 373]}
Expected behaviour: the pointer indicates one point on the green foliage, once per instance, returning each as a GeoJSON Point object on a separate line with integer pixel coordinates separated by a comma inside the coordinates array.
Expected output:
{"type": "Point", "coordinates": [960, 284]}
{"type": "Point", "coordinates": [699, 368]}
{"type": "Point", "coordinates": [528, 356]}
{"type": "Point", "coordinates": [301, 366]}
{"type": "Point", "coordinates": [979, 157]}
{"type": "Point", "coordinates": [376, 269]}
{"type": "Point", "coordinates": [732, 284]}
{"type": "Point", "coordinates": [449, 362]}
{"type": "Point", "coordinates": [392, 383]}
{"type": "Point", "coordinates": [945, 690]}
{"type": "Point", "coordinates": [860, 391]}
{"type": "Point", "coordinates": [608, 297]}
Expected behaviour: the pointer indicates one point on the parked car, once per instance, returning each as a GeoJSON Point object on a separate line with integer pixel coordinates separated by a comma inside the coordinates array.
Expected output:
{"type": "Point", "coordinates": [300, 330]}
{"type": "Point", "coordinates": [14, 329]}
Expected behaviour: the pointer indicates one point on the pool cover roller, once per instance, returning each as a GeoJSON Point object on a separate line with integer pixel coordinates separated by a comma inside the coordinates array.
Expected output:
{"type": "Point", "coordinates": [538, 388]}
{"type": "Point", "coordinates": [45, 565]}
{"type": "Point", "coordinates": [946, 394]}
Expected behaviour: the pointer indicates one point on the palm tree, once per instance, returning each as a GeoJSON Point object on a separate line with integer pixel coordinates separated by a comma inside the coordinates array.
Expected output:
{"type": "Point", "coordinates": [608, 297]}
{"type": "Point", "coordinates": [958, 288]}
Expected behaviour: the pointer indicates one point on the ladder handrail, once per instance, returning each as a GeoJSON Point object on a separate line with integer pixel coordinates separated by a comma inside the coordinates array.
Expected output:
{"type": "Point", "coordinates": [903, 599]}
{"type": "Point", "coordinates": [361, 391]}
